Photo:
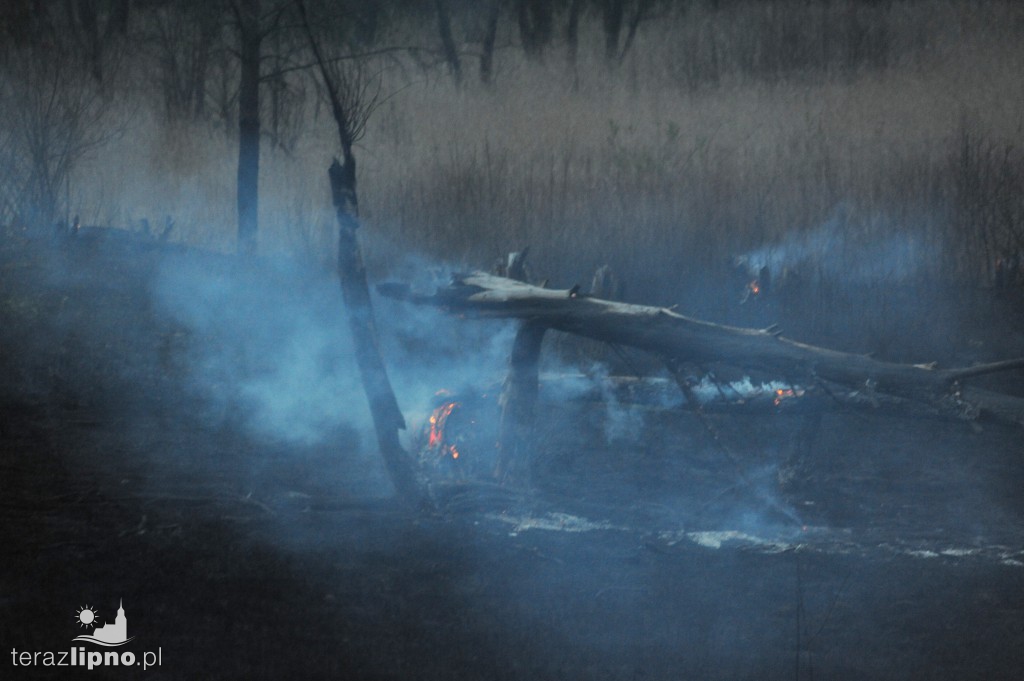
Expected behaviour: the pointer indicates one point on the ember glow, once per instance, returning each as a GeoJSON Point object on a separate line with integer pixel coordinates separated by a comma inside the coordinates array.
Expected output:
{"type": "Point", "coordinates": [437, 421]}
{"type": "Point", "coordinates": [455, 439]}
{"type": "Point", "coordinates": [786, 393]}
{"type": "Point", "coordinates": [754, 289]}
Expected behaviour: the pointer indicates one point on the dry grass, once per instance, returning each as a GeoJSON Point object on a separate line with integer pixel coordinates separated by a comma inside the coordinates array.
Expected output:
{"type": "Point", "coordinates": [662, 180]}
{"type": "Point", "coordinates": [725, 132]}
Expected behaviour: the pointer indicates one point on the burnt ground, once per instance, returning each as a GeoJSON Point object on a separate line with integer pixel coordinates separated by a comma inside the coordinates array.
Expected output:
{"type": "Point", "coordinates": [860, 545]}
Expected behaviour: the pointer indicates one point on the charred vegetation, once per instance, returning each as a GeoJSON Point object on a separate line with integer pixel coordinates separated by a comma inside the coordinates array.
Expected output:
{"type": "Point", "coordinates": [778, 436]}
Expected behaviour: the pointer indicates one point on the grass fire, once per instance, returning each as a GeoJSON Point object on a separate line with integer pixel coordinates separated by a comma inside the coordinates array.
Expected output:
{"type": "Point", "coordinates": [583, 339]}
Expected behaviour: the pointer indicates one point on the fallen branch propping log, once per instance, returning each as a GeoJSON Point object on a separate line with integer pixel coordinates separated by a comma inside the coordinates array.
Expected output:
{"type": "Point", "coordinates": [676, 337]}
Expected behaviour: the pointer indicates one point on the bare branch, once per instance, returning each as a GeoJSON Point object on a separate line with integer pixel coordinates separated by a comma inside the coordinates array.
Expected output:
{"type": "Point", "coordinates": [353, 94]}
{"type": "Point", "coordinates": [361, 56]}
{"type": "Point", "coordinates": [54, 114]}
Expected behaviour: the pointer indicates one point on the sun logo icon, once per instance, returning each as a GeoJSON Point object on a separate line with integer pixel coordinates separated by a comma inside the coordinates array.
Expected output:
{"type": "Point", "coordinates": [86, 616]}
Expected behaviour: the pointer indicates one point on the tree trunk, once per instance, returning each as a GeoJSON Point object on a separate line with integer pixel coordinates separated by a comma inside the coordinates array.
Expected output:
{"type": "Point", "coordinates": [572, 37]}
{"type": "Point", "coordinates": [519, 394]}
{"type": "Point", "coordinates": [614, 10]}
{"type": "Point", "coordinates": [518, 400]}
{"type": "Point", "coordinates": [451, 53]}
{"type": "Point", "coordinates": [250, 39]}
{"type": "Point", "coordinates": [487, 47]}
{"type": "Point", "coordinates": [678, 338]}
{"type": "Point", "coordinates": [387, 417]}
{"type": "Point", "coordinates": [634, 23]}
{"type": "Point", "coordinates": [197, 86]}
{"type": "Point", "coordinates": [535, 26]}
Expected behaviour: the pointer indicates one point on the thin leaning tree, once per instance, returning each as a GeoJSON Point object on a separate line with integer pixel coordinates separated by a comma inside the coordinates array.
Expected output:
{"type": "Point", "coordinates": [353, 98]}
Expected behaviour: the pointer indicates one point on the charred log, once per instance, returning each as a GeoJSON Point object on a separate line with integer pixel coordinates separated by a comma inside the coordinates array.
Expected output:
{"type": "Point", "coordinates": [673, 336]}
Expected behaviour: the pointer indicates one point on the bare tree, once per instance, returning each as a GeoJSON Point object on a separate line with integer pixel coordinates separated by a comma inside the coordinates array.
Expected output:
{"type": "Point", "coordinates": [285, 81]}
{"type": "Point", "coordinates": [250, 41]}
{"type": "Point", "coordinates": [255, 21]}
{"type": "Point", "coordinates": [613, 18]}
{"type": "Point", "coordinates": [56, 96]}
{"type": "Point", "coordinates": [10, 180]}
{"type": "Point", "coordinates": [640, 12]}
{"type": "Point", "coordinates": [353, 97]}
{"type": "Point", "coordinates": [483, 20]}
{"type": "Point", "coordinates": [536, 22]}
{"type": "Point", "coordinates": [487, 45]}
{"type": "Point", "coordinates": [451, 52]}
{"type": "Point", "coordinates": [611, 21]}
{"type": "Point", "coordinates": [182, 40]}
{"type": "Point", "coordinates": [572, 37]}
{"type": "Point", "coordinates": [53, 114]}
{"type": "Point", "coordinates": [93, 25]}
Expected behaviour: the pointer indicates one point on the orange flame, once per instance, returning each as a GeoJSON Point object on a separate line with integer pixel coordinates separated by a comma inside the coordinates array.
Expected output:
{"type": "Point", "coordinates": [755, 287]}
{"type": "Point", "coordinates": [437, 421]}
{"type": "Point", "coordinates": [786, 393]}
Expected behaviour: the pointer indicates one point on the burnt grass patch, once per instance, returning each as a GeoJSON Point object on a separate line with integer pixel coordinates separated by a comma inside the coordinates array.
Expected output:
{"type": "Point", "coordinates": [845, 545]}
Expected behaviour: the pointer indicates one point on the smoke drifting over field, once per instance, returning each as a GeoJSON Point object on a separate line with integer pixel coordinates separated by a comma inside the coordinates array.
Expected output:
{"type": "Point", "coordinates": [266, 348]}
{"type": "Point", "coordinates": [880, 250]}
{"type": "Point", "coordinates": [269, 344]}
{"type": "Point", "coordinates": [643, 528]}
{"type": "Point", "coordinates": [867, 154]}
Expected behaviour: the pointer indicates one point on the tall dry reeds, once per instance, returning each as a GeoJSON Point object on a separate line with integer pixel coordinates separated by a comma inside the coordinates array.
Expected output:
{"type": "Point", "coordinates": [878, 142]}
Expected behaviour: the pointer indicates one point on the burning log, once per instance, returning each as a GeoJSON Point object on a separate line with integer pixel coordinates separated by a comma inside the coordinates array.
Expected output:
{"type": "Point", "coordinates": [676, 337]}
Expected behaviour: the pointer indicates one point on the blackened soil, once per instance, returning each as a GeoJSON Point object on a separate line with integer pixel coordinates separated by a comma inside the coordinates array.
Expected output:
{"type": "Point", "coordinates": [116, 484]}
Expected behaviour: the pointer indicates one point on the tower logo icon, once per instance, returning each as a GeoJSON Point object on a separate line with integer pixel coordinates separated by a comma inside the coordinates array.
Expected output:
{"type": "Point", "coordinates": [108, 634]}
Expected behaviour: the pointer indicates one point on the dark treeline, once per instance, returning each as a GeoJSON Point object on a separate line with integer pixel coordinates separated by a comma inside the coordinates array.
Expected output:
{"type": "Point", "coordinates": [244, 65]}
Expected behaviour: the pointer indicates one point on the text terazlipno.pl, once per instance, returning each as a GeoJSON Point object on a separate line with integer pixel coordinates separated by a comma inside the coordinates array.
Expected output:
{"type": "Point", "coordinates": [80, 657]}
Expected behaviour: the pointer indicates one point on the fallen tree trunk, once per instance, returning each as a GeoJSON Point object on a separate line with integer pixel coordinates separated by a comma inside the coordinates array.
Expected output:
{"type": "Point", "coordinates": [678, 338]}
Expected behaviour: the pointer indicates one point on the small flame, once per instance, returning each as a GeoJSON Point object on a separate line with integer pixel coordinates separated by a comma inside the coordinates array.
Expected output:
{"type": "Point", "coordinates": [786, 393]}
{"type": "Point", "coordinates": [755, 287]}
{"type": "Point", "coordinates": [437, 421]}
